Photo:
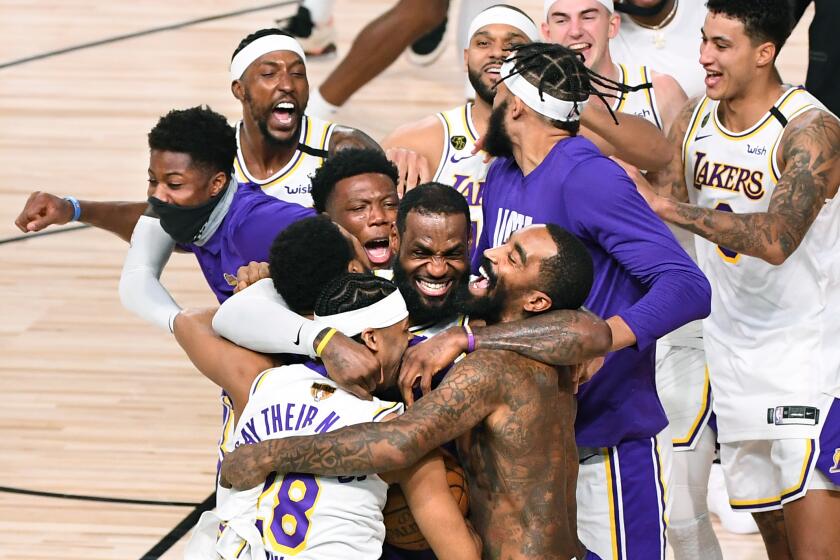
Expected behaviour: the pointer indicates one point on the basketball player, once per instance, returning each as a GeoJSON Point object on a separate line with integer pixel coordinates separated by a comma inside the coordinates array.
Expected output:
{"type": "Point", "coordinates": [513, 414]}
{"type": "Point", "coordinates": [302, 515]}
{"type": "Point", "coordinates": [645, 285]}
{"type": "Point", "coordinates": [762, 158]}
{"type": "Point", "coordinates": [447, 140]}
{"type": "Point", "coordinates": [662, 34]}
{"type": "Point", "coordinates": [278, 146]}
{"type": "Point", "coordinates": [589, 27]}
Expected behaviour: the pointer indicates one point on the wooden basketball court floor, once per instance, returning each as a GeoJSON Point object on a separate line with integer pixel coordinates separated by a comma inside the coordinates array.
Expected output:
{"type": "Point", "coordinates": [94, 401]}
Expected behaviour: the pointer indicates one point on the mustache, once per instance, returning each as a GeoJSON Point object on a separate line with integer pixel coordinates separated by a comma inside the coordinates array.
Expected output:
{"type": "Point", "coordinates": [487, 267]}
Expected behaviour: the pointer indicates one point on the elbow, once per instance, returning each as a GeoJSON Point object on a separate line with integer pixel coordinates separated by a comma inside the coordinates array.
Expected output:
{"type": "Point", "coordinates": [126, 291]}
{"type": "Point", "coordinates": [660, 158]}
{"type": "Point", "coordinates": [599, 341]}
{"type": "Point", "coordinates": [775, 255]}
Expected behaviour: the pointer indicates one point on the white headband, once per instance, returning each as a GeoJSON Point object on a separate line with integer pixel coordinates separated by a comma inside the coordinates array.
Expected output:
{"type": "Point", "coordinates": [505, 15]}
{"type": "Point", "coordinates": [548, 106]}
{"type": "Point", "coordinates": [608, 4]}
{"type": "Point", "coordinates": [384, 313]}
{"type": "Point", "coordinates": [259, 47]}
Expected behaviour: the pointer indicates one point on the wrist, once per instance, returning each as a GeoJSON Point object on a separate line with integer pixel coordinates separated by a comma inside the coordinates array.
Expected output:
{"type": "Point", "coordinates": [323, 339]}
{"type": "Point", "coordinates": [470, 339]}
{"type": "Point", "coordinates": [75, 208]}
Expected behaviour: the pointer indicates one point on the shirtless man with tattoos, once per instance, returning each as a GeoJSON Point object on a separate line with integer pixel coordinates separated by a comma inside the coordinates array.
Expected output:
{"type": "Point", "coordinates": [513, 416]}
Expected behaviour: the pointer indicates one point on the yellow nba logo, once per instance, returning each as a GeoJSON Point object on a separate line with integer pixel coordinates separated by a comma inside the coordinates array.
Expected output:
{"type": "Point", "coordinates": [458, 142]}
{"type": "Point", "coordinates": [835, 468]}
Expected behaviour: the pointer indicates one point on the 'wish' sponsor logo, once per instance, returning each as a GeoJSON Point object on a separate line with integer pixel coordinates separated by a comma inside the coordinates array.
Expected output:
{"type": "Point", "coordinates": [756, 150]}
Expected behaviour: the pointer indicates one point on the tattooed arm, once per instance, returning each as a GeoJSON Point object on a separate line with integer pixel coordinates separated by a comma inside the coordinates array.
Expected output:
{"type": "Point", "coordinates": [810, 163]}
{"type": "Point", "coordinates": [670, 181]}
{"type": "Point", "coordinates": [466, 396]}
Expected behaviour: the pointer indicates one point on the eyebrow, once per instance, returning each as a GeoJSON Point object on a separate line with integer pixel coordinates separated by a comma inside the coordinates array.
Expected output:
{"type": "Point", "coordinates": [586, 11]}
{"type": "Point", "coordinates": [509, 35]}
{"type": "Point", "coordinates": [715, 37]}
{"type": "Point", "coordinates": [521, 252]}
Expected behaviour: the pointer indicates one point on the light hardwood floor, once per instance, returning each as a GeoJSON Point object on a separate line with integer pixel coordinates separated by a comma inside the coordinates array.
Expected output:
{"type": "Point", "coordinates": [96, 402]}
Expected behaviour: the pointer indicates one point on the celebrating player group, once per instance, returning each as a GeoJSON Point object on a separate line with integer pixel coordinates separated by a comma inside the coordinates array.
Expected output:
{"type": "Point", "coordinates": [523, 327]}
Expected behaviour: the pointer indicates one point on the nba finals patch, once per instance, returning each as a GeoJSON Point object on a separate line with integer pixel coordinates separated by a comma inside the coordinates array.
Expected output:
{"type": "Point", "coordinates": [705, 120]}
{"type": "Point", "coordinates": [458, 142]}
{"type": "Point", "coordinates": [321, 392]}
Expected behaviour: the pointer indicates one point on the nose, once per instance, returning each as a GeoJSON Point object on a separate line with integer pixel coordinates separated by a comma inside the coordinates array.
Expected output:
{"type": "Point", "coordinates": [705, 53]}
{"type": "Point", "coordinates": [492, 254]}
{"type": "Point", "coordinates": [575, 29]}
{"type": "Point", "coordinates": [160, 192]}
{"type": "Point", "coordinates": [497, 52]}
{"type": "Point", "coordinates": [377, 215]}
{"type": "Point", "coordinates": [284, 81]}
{"type": "Point", "coordinates": [436, 267]}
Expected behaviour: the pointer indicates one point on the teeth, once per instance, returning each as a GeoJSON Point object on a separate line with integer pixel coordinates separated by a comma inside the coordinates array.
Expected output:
{"type": "Point", "coordinates": [483, 273]}
{"type": "Point", "coordinates": [579, 46]}
{"type": "Point", "coordinates": [285, 105]}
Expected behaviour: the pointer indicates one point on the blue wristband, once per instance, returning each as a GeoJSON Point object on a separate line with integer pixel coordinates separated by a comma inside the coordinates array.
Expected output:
{"type": "Point", "coordinates": [77, 209]}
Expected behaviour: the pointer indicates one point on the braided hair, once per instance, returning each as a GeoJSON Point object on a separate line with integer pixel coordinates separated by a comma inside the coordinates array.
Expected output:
{"type": "Point", "coordinates": [349, 292]}
{"type": "Point", "coordinates": [561, 73]}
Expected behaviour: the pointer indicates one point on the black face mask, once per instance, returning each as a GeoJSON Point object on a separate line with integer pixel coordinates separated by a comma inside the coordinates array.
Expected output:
{"type": "Point", "coordinates": [184, 223]}
{"type": "Point", "coordinates": [634, 10]}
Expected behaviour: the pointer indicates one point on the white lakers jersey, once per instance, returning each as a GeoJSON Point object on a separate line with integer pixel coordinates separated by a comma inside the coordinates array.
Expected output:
{"type": "Point", "coordinates": [431, 329]}
{"type": "Point", "coordinates": [674, 49]}
{"type": "Point", "coordinates": [292, 183]}
{"type": "Point", "coordinates": [771, 338]}
{"type": "Point", "coordinates": [458, 166]}
{"type": "Point", "coordinates": [641, 103]}
{"type": "Point", "coordinates": [300, 515]}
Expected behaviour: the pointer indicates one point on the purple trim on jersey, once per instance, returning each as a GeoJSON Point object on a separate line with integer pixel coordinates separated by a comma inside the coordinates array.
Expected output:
{"type": "Point", "coordinates": [705, 419]}
{"type": "Point", "coordinates": [318, 367]}
{"type": "Point", "coordinates": [591, 556]}
{"type": "Point", "coordinates": [641, 273]}
{"type": "Point", "coordinates": [829, 459]}
{"type": "Point", "coordinates": [246, 233]}
{"type": "Point", "coordinates": [391, 552]}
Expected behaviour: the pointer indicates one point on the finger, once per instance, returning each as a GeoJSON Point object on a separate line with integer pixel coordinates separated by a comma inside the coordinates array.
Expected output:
{"type": "Point", "coordinates": [38, 223]}
{"type": "Point", "coordinates": [408, 394]}
{"type": "Point", "coordinates": [425, 171]}
{"type": "Point", "coordinates": [412, 172]}
{"type": "Point", "coordinates": [426, 383]}
{"type": "Point", "coordinates": [264, 271]}
{"type": "Point", "coordinates": [223, 481]}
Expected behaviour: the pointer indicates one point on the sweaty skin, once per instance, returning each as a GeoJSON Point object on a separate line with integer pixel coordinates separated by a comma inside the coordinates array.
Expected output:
{"type": "Point", "coordinates": [516, 425]}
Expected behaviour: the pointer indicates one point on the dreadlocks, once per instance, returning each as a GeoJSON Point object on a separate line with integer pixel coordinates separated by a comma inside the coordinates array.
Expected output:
{"type": "Point", "coordinates": [560, 72]}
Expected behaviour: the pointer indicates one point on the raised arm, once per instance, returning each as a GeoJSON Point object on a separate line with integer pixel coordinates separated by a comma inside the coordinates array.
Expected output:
{"type": "Point", "coordinates": [562, 337]}
{"type": "Point", "coordinates": [670, 181]}
{"type": "Point", "coordinates": [810, 162]}
{"type": "Point", "coordinates": [44, 209]}
{"type": "Point", "coordinates": [634, 139]}
{"type": "Point", "coordinates": [465, 397]}
{"type": "Point", "coordinates": [229, 366]}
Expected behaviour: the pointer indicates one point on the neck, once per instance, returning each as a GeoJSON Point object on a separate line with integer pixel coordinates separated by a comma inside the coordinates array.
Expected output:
{"type": "Point", "coordinates": [658, 18]}
{"type": "Point", "coordinates": [607, 68]}
{"type": "Point", "coordinates": [263, 157]}
{"type": "Point", "coordinates": [744, 110]}
{"type": "Point", "coordinates": [530, 150]}
{"type": "Point", "coordinates": [481, 115]}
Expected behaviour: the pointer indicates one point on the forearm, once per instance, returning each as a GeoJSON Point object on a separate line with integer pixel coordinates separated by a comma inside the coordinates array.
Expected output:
{"type": "Point", "coordinates": [257, 318]}
{"type": "Point", "coordinates": [758, 235]}
{"type": "Point", "coordinates": [560, 337]}
{"type": "Point", "coordinates": [119, 218]}
{"type": "Point", "coordinates": [634, 139]}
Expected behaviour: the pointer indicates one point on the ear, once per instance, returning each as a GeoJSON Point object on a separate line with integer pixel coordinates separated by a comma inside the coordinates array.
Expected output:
{"type": "Point", "coordinates": [766, 54]}
{"type": "Point", "coordinates": [517, 108]}
{"type": "Point", "coordinates": [371, 340]}
{"type": "Point", "coordinates": [544, 31]}
{"type": "Point", "coordinates": [394, 239]}
{"type": "Point", "coordinates": [355, 267]}
{"type": "Point", "coordinates": [615, 25]}
{"type": "Point", "coordinates": [537, 302]}
{"type": "Point", "coordinates": [217, 183]}
{"type": "Point", "coordinates": [238, 90]}
{"type": "Point", "coordinates": [466, 56]}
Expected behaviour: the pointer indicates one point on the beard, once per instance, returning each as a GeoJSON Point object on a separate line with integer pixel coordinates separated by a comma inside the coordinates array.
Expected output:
{"type": "Point", "coordinates": [497, 141]}
{"type": "Point", "coordinates": [420, 311]}
{"type": "Point", "coordinates": [488, 307]}
{"type": "Point", "coordinates": [633, 10]}
{"type": "Point", "coordinates": [261, 118]}
{"type": "Point", "coordinates": [483, 91]}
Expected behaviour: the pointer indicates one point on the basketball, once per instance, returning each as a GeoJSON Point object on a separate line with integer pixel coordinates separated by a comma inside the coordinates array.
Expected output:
{"type": "Point", "coordinates": [400, 528]}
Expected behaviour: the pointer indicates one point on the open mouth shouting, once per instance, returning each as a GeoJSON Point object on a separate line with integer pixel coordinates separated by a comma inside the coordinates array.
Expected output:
{"type": "Point", "coordinates": [283, 115]}
{"type": "Point", "coordinates": [712, 78]}
{"type": "Point", "coordinates": [378, 251]}
{"type": "Point", "coordinates": [485, 281]}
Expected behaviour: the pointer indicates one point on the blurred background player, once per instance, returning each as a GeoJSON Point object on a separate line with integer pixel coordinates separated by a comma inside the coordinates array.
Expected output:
{"type": "Point", "coordinates": [663, 35]}
{"type": "Point", "coordinates": [763, 162]}
{"type": "Point", "coordinates": [823, 79]}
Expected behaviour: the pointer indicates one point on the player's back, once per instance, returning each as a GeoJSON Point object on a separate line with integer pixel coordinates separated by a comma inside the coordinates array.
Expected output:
{"type": "Point", "coordinates": [303, 515]}
{"type": "Point", "coordinates": [522, 462]}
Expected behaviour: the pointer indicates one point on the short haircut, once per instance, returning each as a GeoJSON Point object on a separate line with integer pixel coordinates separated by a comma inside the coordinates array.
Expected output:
{"type": "Point", "coordinates": [567, 276]}
{"type": "Point", "coordinates": [349, 292]}
{"type": "Point", "coordinates": [304, 258]}
{"type": "Point", "coordinates": [431, 198]}
{"type": "Point", "coordinates": [256, 35]}
{"type": "Point", "coordinates": [348, 163]}
{"type": "Point", "coordinates": [199, 132]}
{"type": "Point", "coordinates": [764, 20]}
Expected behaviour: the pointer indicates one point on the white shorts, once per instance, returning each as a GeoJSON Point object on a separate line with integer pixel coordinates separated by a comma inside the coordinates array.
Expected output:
{"type": "Point", "coordinates": [622, 498]}
{"type": "Point", "coordinates": [682, 383]}
{"type": "Point", "coordinates": [763, 475]}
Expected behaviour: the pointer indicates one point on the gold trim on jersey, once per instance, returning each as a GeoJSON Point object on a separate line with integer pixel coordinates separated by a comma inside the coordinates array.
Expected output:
{"type": "Point", "coordinates": [623, 99]}
{"type": "Point", "coordinates": [758, 127]}
{"type": "Point", "coordinates": [447, 138]}
{"type": "Point", "coordinates": [468, 124]}
{"type": "Point", "coordinates": [649, 93]}
{"type": "Point", "coordinates": [692, 128]}
{"type": "Point", "coordinates": [291, 167]}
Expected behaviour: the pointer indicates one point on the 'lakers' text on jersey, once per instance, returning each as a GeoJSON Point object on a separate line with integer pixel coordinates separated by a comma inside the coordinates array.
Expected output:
{"type": "Point", "coordinates": [458, 166]}
{"type": "Point", "coordinates": [771, 336]}
{"type": "Point", "coordinates": [301, 515]}
{"type": "Point", "coordinates": [292, 183]}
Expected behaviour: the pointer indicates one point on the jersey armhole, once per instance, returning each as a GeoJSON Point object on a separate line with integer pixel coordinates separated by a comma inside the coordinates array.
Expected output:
{"type": "Point", "coordinates": [445, 151]}
{"type": "Point", "coordinates": [387, 409]}
{"type": "Point", "coordinates": [647, 78]}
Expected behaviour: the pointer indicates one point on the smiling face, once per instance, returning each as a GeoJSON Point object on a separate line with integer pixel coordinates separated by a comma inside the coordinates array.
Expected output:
{"type": "Point", "coordinates": [174, 179]}
{"type": "Point", "coordinates": [488, 48]}
{"type": "Point", "coordinates": [432, 264]}
{"type": "Point", "coordinates": [366, 206]}
{"type": "Point", "coordinates": [585, 26]}
{"type": "Point", "coordinates": [274, 92]}
{"type": "Point", "coordinates": [729, 57]}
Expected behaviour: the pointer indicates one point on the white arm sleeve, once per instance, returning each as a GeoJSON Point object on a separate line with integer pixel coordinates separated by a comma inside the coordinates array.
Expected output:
{"type": "Point", "coordinates": [140, 289]}
{"type": "Point", "coordinates": [259, 319]}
